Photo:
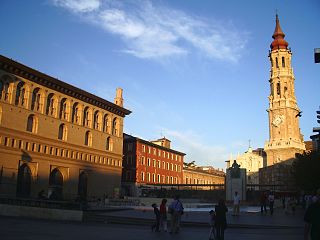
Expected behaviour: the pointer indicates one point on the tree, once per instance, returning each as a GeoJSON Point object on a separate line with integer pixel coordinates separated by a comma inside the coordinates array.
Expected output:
{"type": "Point", "coordinates": [306, 170]}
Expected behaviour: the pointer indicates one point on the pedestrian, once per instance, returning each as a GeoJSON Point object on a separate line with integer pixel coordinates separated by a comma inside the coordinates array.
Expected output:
{"type": "Point", "coordinates": [312, 220]}
{"type": "Point", "coordinates": [156, 225]}
{"type": "Point", "coordinates": [212, 220]}
{"type": "Point", "coordinates": [176, 210]}
{"type": "Point", "coordinates": [263, 202]}
{"type": "Point", "coordinates": [236, 204]}
{"type": "Point", "coordinates": [271, 202]}
{"type": "Point", "coordinates": [221, 219]}
{"type": "Point", "coordinates": [163, 215]}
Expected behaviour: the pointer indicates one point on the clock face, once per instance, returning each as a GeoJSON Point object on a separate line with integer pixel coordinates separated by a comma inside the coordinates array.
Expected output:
{"type": "Point", "coordinates": [277, 120]}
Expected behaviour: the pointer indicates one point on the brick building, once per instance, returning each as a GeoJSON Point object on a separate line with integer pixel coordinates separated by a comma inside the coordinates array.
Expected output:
{"type": "Point", "coordinates": [149, 162]}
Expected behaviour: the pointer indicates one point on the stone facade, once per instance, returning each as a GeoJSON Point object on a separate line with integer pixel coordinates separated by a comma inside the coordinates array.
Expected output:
{"type": "Point", "coordinates": [56, 137]}
{"type": "Point", "coordinates": [285, 139]}
{"type": "Point", "coordinates": [149, 163]}
{"type": "Point", "coordinates": [202, 175]}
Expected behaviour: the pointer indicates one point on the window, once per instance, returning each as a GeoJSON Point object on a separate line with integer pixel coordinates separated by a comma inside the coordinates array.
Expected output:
{"type": "Point", "coordinates": [115, 125]}
{"type": "Point", "coordinates": [143, 160]}
{"type": "Point", "coordinates": [154, 151]}
{"type": "Point", "coordinates": [4, 91]}
{"type": "Point", "coordinates": [63, 109]}
{"type": "Point", "coordinates": [154, 163]}
{"type": "Point", "coordinates": [153, 177]}
{"type": "Point", "coordinates": [163, 165]}
{"type": "Point", "coordinates": [62, 135]}
{"type": "Point", "coordinates": [142, 176]}
{"type": "Point", "coordinates": [51, 105]}
{"type": "Point", "coordinates": [88, 139]}
{"type": "Point", "coordinates": [283, 62]}
{"type": "Point", "coordinates": [86, 117]}
{"type": "Point", "coordinates": [106, 123]}
{"type": "Point", "coordinates": [168, 166]}
{"type": "Point", "coordinates": [277, 64]}
{"type": "Point", "coordinates": [96, 120]}
{"type": "Point", "coordinates": [143, 148]}
{"type": "Point", "coordinates": [20, 95]}
{"type": "Point", "coordinates": [148, 177]}
{"type": "Point", "coordinates": [75, 113]}
{"type": "Point", "coordinates": [32, 124]}
{"type": "Point", "coordinates": [149, 150]}
{"type": "Point", "coordinates": [158, 178]}
{"type": "Point", "coordinates": [159, 153]}
{"type": "Point", "coordinates": [108, 144]}
{"type": "Point", "coordinates": [36, 103]}
{"type": "Point", "coordinates": [278, 89]}
{"type": "Point", "coordinates": [159, 164]}
{"type": "Point", "coordinates": [148, 162]}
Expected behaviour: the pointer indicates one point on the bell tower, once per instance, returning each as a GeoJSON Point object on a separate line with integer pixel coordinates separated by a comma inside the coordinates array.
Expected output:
{"type": "Point", "coordinates": [285, 139]}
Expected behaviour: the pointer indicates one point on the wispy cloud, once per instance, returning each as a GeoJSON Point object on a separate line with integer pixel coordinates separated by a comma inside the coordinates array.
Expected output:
{"type": "Point", "coordinates": [154, 31]}
{"type": "Point", "coordinates": [197, 149]}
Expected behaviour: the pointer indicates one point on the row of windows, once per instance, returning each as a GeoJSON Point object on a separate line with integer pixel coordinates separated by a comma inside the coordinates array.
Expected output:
{"type": "Point", "coordinates": [32, 126]}
{"type": "Point", "coordinates": [283, 62]}
{"type": "Point", "coordinates": [157, 178]}
{"type": "Point", "coordinates": [198, 181]}
{"type": "Point", "coordinates": [56, 151]}
{"type": "Point", "coordinates": [51, 105]}
{"type": "Point", "coordinates": [157, 164]}
{"type": "Point", "coordinates": [164, 154]}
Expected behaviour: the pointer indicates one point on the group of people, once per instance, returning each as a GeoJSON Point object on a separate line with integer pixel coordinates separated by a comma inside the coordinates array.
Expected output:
{"type": "Point", "coordinates": [175, 209]}
{"type": "Point", "coordinates": [266, 198]}
{"type": "Point", "coordinates": [218, 221]}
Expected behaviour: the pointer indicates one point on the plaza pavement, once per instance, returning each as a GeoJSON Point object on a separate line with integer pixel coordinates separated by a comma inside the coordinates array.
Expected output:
{"type": "Point", "coordinates": [252, 220]}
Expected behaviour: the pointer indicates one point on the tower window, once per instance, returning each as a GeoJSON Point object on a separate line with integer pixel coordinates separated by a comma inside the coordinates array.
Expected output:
{"type": "Point", "coordinates": [277, 64]}
{"type": "Point", "coordinates": [278, 88]}
{"type": "Point", "coordinates": [283, 62]}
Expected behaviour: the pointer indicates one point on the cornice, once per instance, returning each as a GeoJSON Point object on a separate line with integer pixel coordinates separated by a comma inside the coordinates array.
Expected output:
{"type": "Point", "coordinates": [40, 78]}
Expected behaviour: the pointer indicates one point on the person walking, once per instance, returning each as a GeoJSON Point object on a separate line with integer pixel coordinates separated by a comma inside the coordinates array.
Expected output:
{"type": "Point", "coordinates": [163, 215]}
{"type": "Point", "coordinates": [312, 220]}
{"type": "Point", "coordinates": [221, 219]}
{"type": "Point", "coordinates": [263, 202]}
{"type": "Point", "coordinates": [271, 202]}
{"type": "Point", "coordinates": [212, 222]}
{"type": "Point", "coordinates": [236, 204]}
{"type": "Point", "coordinates": [176, 210]}
{"type": "Point", "coordinates": [156, 225]}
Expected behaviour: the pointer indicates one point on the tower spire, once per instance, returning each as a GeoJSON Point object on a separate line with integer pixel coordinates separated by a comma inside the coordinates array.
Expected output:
{"type": "Point", "coordinates": [278, 37]}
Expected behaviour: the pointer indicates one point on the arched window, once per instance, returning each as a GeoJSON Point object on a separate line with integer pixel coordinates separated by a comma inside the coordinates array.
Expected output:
{"type": "Point", "coordinates": [62, 135]}
{"type": "Point", "coordinates": [105, 123]}
{"type": "Point", "coordinates": [36, 103]}
{"type": "Point", "coordinates": [63, 109]}
{"type": "Point", "coordinates": [115, 130]}
{"type": "Point", "coordinates": [20, 94]}
{"type": "Point", "coordinates": [32, 124]}
{"type": "Point", "coordinates": [96, 120]}
{"type": "Point", "coordinates": [86, 117]}
{"type": "Point", "coordinates": [277, 64]}
{"type": "Point", "coordinates": [82, 185]}
{"type": "Point", "coordinates": [51, 105]}
{"type": "Point", "coordinates": [88, 139]}
{"type": "Point", "coordinates": [1, 89]}
{"type": "Point", "coordinates": [24, 181]}
{"type": "Point", "coordinates": [55, 184]}
{"type": "Point", "coordinates": [283, 62]}
{"type": "Point", "coordinates": [75, 113]}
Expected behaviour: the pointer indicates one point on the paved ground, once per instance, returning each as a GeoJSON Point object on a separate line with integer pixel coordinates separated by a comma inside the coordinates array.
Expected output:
{"type": "Point", "coordinates": [27, 229]}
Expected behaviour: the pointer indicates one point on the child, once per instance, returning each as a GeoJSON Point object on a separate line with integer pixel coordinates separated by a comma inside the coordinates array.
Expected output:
{"type": "Point", "coordinates": [212, 219]}
{"type": "Point", "coordinates": [163, 214]}
{"type": "Point", "coordinates": [157, 214]}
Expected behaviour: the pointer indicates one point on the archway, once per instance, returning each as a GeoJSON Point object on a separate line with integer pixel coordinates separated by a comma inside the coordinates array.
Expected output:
{"type": "Point", "coordinates": [24, 181]}
{"type": "Point", "coordinates": [83, 186]}
{"type": "Point", "coordinates": [55, 184]}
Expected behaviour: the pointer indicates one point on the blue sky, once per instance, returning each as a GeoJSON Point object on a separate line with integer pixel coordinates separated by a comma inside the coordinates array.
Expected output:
{"type": "Point", "coordinates": [193, 71]}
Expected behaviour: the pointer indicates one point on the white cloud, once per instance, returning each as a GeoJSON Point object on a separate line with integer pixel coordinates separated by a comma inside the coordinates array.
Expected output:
{"type": "Point", "coordinates": [197, 149]}
{"type": "Point", "coordinates": [81, 6]}
{"type": "Point", "coordinates": [155, 32]}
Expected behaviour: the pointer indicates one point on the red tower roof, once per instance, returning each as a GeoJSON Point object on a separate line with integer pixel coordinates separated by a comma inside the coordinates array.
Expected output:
{"type": "Point", "coordinates": [278, 37]}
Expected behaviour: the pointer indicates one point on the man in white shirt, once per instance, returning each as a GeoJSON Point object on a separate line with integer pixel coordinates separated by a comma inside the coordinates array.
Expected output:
{"type": "Point", "coordinates": [236, 204]}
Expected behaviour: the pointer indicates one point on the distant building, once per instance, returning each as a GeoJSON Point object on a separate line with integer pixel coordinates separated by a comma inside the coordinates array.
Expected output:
{"type": "Point", "coordinates": [193, 174]}
{"type": "Point", "coordinates": [149, 162]}
{"type": "Point", "coordinates": [56, 137]}
{"type": "Point", "coordinates": [252, 161]}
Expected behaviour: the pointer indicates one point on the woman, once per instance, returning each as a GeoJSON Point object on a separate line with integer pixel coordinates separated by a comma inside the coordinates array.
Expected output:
{"type": "Point", "coordinates": [221, 219]}
{"type": "Point", "coordinates": [163, 214]}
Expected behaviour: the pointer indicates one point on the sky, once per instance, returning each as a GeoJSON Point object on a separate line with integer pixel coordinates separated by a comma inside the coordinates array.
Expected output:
{"type": "Point", "coordinates": [195, 72]}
